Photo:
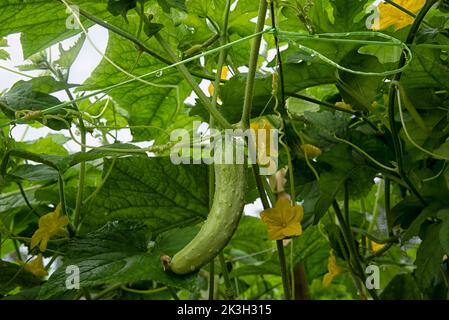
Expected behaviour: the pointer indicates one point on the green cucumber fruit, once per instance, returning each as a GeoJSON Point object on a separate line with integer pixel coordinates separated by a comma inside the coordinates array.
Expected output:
{"type": "Point", "coordinates": [223, 219]}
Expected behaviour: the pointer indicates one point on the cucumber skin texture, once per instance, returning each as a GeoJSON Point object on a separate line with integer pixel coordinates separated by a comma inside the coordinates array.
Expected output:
{"type": "Point", "coordinates": [221, 223]}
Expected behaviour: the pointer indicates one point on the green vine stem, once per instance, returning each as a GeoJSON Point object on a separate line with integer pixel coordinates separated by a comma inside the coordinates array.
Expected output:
{"type": "Point", "coordinates": [211, 174]}
{"type": "Point", "coordinates": [279, 243]}
{"type": "Point", "coordinates": [135, 40]}
{"type": "Point", "coordinates": [260, 187]}
{"type": "Point", "coordinates": [151, 73]}
{"type": "Point", "coordinates": [229, 293]}
{"type": "Point", "coordinates": [283, 266]}
{"type": "Point", "coordinates": [387, 195]}
{"type": "Point", "coordinates": [106, 291]}
{"type": "Point", "coordinates": [211, 279]}
{"type": "Point", "coordinates": [254, 57]}
{"type": "Point", "coordinates": [27, 202]}
{"type": "Point", "coordinates": [83, 132]}
{"type": "Point", "coordinates": [82, 173]}
{"type": "Point", "coordinates": [101, 184]}
{"type": "Point", "coordinates": [70, 227]}
{"type": "Point", "coordinates": [193, 84]}
{"type": "Point", "coordinates": [278, 81]}
{"type": "Point", "coordinates": [149, 291]}
{"type": "Point", "coordinates": [334, 107]}
{"type": "Point", "coordinates": [354, 257]}
{"type": "Point", "coordinates": [392, 101]}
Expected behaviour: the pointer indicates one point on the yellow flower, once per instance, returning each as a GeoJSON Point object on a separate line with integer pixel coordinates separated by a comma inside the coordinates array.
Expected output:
{"type": "Point", "coordinates": [50, 225]}
{"type": "Point", "coordinates": [392, 16]}
{"type": "Point", "coordinates": [284, 220]}
{"type": "Point", "coordinates": [223, 76]}
{"type": "Point", "coordinates": [376, 246]}
{"type": "Point", "coordinates": [36, 267]}
{"type": "Point", "coordinates": [263, 147]}
{"type": "Point", "coordinates": [311, 150]}
{"type": "Point", "coordinates": [333, 270]}
{"type": "Point", "coordinates": [343, 105]}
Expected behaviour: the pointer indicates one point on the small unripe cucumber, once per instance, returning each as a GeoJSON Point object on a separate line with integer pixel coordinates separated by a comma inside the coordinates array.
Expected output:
{"type": "Point", "coordinates": [223, 219]}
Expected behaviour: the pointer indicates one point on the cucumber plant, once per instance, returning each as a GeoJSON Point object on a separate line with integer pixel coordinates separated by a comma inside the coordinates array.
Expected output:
{"type": "Point", "coordinates": [358, 91]}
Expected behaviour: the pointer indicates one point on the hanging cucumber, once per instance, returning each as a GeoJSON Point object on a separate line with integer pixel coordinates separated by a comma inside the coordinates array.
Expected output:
{"type": "Point", "coordinates": [223, 219]}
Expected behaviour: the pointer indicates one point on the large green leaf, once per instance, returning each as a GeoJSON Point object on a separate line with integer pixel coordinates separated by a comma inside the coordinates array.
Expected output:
{"type": "Point", "coordinates": [152, 107]}
{"type": "Point", "coordinates": [34, 173]}
{"type": "Point", "coordinates": [52, 144]}
{"type": "Point", "coordinates": [402, 287]}
{"type": "Point", "coordinates": [338, 15]}
{"type": "Point", "coordinates": [151, 190]}
{"type": "Point", "coordinates": [12, 275]}
{"type": "Point", "coordinates": [168, 4]}
{"type": "Point", "coordinates": [346, 167]}
{"type": "Point", "coordinates": [118, 253]}
{"type": "Point", "coordinates": [42, 22]}
{"type": "Point", "coordinates": [311, 249]}
{"type": "Point", "coordinates": [428, 69]}
{"type": "Point", "coordinates": [234, 90]}
{"type": "Point", "coordinates": [444, 231]}
{"type": "Point", "coordinates": [254, 229]}
{"type": "Point", "coordinates": [429, 257]}
{"type": "Point", "coordinates": [23, 97]}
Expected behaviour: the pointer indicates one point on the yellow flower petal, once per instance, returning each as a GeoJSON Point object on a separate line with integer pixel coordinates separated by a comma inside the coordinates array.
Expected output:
{"type": "Point", "coordinates": [343, 105]}
{"type": "Point", "coordinates": [327, 280]}
{"type": "Point", "coordinates": [223, 76]}
{"type": "Point", "coordinates": [284, 220]}
{"type": "Point", "coordinates": [283, 204]}
{"type": "Point", "coordinates": [376, 246]}
{"type": "Point", "coordinates": [36, 267]}
{"type": "Point", "coordinates": [311, 150]}
{"type": "Point", "coordinates": [392, 16]}
{"type": "Point", "coordinates": [50, 225]}
{"type": "Point", "coordinates": [333, 270]}
{"type": "Point", "coordinates": [264, 149]}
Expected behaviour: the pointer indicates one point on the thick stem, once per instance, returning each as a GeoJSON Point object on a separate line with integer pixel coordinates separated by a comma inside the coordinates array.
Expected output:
{"type": "Point", "coordinates": [83, 132]}
{"type": "Point", "coordinates": [211, 279]}
{"type": "Point", "coordinates": [82, 173]}
{"type": "Point", "coordinates": [354, 257]}
{"type": "Point", "coordinates": [223, 54]}
{"type": "Point", "coordinates": [254, 57]}
{"type": "Point", "coordinates": [260, 187]}
{"type": "Point", "coordinates": [279, 243]}
{"type": "Point", "coordinates": [392, 101]}
{"type": "Point", "coordinates": [387, 194]}
{"type": "Point", "coordinates": [301, 285]}
{"type": "Point", "coordinates": [284, 272]}
{"type": "Point", "coordinates": [229, 294]}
